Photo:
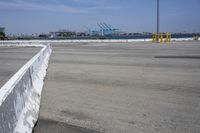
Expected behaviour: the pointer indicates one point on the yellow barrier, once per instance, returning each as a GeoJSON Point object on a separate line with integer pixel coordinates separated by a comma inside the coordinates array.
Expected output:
{"type": "Point", "coordinates": [154, 38]}
{"type": "Point", "coordinates": [162, 37]}
{"type": "Point", "coordinates": [195, 38]}
{"type": "Point", "coordinates": [168, 37]}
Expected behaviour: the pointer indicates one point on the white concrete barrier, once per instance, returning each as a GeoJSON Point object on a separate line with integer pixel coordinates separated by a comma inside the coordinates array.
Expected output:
{"type": "Point", "coordinates": [90, 41]}
{"type": "Point", "coordinates": [20, 96]}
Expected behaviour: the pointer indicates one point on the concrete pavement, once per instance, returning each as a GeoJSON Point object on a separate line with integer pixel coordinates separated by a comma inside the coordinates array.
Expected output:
{"type": "Point", "coordinates": [122, 88]}
{"type": "Point", "coordinates": [12, 59]}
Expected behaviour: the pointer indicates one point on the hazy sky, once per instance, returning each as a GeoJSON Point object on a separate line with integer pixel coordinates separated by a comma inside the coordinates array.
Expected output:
{"type": "Point", "coordinates": [36, 16]}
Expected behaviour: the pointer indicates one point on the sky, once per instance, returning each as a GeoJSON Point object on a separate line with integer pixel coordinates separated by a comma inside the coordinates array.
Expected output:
{"type": "Point", "coordinates": [43, 16]}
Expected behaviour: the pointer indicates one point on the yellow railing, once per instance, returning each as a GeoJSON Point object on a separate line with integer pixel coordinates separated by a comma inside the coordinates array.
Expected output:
{"type": "Point", "coordinates": [161, 37]}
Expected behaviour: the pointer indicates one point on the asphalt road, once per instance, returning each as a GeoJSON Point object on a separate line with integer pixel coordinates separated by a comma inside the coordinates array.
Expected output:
{"type": "Point", "coordinates": [12, 59]}
{"type": "Point", "coordinates": [122, 88]}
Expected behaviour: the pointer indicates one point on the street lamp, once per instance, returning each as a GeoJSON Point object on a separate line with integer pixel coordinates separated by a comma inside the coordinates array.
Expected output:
{"type": "Point", "coordinates": [158, 19]}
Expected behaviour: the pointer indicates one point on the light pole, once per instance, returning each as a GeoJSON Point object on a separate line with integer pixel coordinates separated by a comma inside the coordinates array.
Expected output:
{"type": "Point", "coordinates": [158, 19]}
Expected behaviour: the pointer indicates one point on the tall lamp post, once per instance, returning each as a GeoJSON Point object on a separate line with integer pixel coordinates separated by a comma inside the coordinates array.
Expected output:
{"type": "Point", "coordinates": [158, 19]}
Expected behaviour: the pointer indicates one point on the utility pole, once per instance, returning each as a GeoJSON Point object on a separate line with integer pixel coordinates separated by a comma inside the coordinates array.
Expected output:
{"type": "Point", "coordinates": [158, 19]}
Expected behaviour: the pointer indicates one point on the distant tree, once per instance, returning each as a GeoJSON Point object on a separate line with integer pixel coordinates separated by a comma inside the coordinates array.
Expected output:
{"type": "Point", "coordinates": [2, 35]}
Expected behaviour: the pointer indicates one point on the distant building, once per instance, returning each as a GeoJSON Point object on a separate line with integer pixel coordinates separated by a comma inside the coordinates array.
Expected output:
{"type": "Point", "coordinates": [2, 29]}
{"type": "Point", "coordinates": [62, 33]}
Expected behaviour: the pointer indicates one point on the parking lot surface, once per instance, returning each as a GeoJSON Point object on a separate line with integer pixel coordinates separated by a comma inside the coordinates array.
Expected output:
{"type": "Point", "coordinates": [12, 59]}
{"type": "Point", "coordinates": [122, 88]}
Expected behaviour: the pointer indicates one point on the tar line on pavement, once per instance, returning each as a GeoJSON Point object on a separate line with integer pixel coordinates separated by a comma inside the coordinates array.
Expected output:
{"type": "Point", "coordinates": [51, 126]}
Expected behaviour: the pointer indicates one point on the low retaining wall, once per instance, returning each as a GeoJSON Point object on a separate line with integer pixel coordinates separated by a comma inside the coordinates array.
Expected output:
{"type": "Point", "coordinates": [92, 41]}
{"type": "Point", "coordinates": [20, 96]}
